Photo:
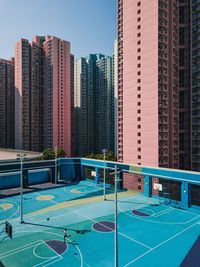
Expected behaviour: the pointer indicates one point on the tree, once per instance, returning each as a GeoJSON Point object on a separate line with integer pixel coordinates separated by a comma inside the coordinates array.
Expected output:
{"type": "Point", "coordinates": [109, 156]}
{"type": "Point", "coordinates": [49, 153]}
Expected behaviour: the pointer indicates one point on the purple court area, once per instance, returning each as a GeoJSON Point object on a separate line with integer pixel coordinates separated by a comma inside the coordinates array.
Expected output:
{"type": "Point", "coordinates": [140, 213]}
{"type": "Point", "coordinates": [193, 257]}
{"type": "Point", "coordinates": [104, 226]}
{"type": "Point", "coordinates": [58, 246]}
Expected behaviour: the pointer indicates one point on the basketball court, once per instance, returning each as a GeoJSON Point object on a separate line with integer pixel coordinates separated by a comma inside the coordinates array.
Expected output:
{"type": "Point", "coordinates": [151, 231]}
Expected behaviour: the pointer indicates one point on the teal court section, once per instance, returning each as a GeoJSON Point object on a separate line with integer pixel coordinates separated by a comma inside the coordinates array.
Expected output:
{"type": "Point", "coordinates": [9, 208]}
{"type": "Point", "coordinates": [163, 238]}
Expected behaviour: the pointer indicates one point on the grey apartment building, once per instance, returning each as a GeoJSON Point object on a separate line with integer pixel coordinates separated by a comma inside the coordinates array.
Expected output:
{"type": "Point", "coordinates": [94, 104]}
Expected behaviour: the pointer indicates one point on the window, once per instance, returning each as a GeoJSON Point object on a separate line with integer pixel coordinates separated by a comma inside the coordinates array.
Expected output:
{"type": "Point", "coordinates": [138, 42]}
{"type": "Point", "coordinates": [139, 157]}
{"type": "Point", "coordinates": [138, 19]}
{"type": "Point", "coordinates": [138, 80]}
{"type": "Point", "coordinates": [139, 27]}
{"type": "Point", "coordinates": [138, 111]}
{"type": "Point", "coordinates": [139, 50]}
{"type": "Point", "coordinates": [139, 142]}
{"type": "Point", "coordinates": [139, 11]}
{"type": "Point", "coordinates": [139, 180]}
{"type": "Point", "coordinates": [139, 57]}
{"type": "Point", "coordinates": [139, 4]}
{"type": "Point", "coordinates": [139, 34]}
{"type": "Point", "coordinates": [139, 96]}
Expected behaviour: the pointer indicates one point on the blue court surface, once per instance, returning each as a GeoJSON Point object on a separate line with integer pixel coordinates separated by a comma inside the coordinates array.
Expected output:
{"type": "Point", "coordinates": [149, 233]}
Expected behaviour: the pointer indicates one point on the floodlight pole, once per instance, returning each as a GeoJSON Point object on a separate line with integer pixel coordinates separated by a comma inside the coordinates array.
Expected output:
{"type": "Point", "coordinates": [21, 156]}
{"type": "Point", "coordinates": [116, 220]}
{"type": "Point", "coordinates": [104, 173]}
{"type": "Point", "coordinates": [56, 178]}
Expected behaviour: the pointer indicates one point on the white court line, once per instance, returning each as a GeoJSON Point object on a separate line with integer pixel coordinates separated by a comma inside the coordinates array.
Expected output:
{"type": "Point", "coordinates": [29, 244]}
{"type": "Point", "coordinates": [160, 244]}
{"type": "Point", "coordinates": [132, 239]}
{"type": "Point", "coordinates": [81, 257]}
{"type": "Point", "coordinates": [51, 262]}
{"type": "Point", "coordinates": [158, 222]}
{"type": "Point", "coordinates": [52, 249]}
{"type": "Point", "coordinates": [12, 215]}
{"type": "Point", "coordinates": [17, 251]}
{"type": "Point", "coordinates": [46, 261]}
{"type": "Point", "coordinates": [40, 257]}
{"type": "Point", "coordinates": [56, 234]}
{"type": "Point", "coordinates": [163, 212]}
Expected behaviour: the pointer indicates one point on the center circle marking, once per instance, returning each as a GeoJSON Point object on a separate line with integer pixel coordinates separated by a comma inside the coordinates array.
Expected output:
{"type": "Point", "coordinates": [45, 197]}
{"type": "Point", "coordinates": [104, 226]}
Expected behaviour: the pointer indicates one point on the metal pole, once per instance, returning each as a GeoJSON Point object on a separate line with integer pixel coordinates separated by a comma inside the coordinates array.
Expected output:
{"type": "Point", "coordinates": [116, 220]}
{"type": "Point", "coordinates": [21, 189]}
{"type": "Point", "coordinates": [104, 175]}
{"type": "Point", "coordinates": [56, 165]}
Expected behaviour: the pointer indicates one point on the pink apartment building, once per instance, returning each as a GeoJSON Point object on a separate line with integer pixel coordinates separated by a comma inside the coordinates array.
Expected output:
{"type": "Point", "coordinates": [148, 114]}
{"type": "Point", "coordinates": [7, 91]}
{"type": "Point", "coordinates": [42, 95]}
{"type": "Point", "coordinates": [57, 103]}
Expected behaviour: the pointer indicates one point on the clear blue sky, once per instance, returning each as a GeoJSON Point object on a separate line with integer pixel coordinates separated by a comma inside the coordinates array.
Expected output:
{"type": "Point", "coordinates": [90, 25]}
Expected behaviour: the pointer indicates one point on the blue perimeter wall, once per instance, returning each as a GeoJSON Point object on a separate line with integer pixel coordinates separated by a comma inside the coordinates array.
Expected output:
{"type": "Point", "coordinates": [72, 169]}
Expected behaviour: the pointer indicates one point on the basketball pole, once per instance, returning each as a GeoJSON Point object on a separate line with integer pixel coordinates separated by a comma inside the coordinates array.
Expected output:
{"type": "Point", "coordinates": [56, 178]}
{"type": "Point", "coordinates": [116, 220]}
{"type": "Point", "coordinates": [104, 173]}
{"type": "Point", "coordinates": [21, 156]}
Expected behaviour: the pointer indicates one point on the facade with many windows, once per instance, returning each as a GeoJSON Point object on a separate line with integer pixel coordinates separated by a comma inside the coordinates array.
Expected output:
{"type": "Point", "coordinates": [94, 104]}
{"type": "Point", "coordinates": [7, 89]}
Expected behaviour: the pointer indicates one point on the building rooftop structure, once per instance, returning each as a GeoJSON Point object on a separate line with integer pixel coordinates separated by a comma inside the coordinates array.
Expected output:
{"type": "Point", "coordinates": [11, 154]}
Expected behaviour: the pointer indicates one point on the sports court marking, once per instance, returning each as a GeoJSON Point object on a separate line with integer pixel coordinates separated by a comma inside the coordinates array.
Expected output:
{"type": "Point", "coordinates": [158, 214]}
{"type": "Point", "coordinates": [72, 203]}
{"type": "Point", "coordinates": [20, 249]}
{"type": "Point", "coordinates": [46, 261]}
{"type": "Point", "coordinates": [14, 205]}
{"type": "Point", "coordinates": [76, 191]}
{"type": "Point", "coordinates": [84, 192]}
{"type": "Point", "coordinates": [104, 226]}
{"type": "Point", "coordinates": [143, 212]}
{"type": "Point", "coordinates": [130, 238]}
{"type": "Point", "coordinates": [57, 246]}
{"type": "Point", "coordinates": [45, 197]}
{"type": "Point", "coordinates": [160, 244]}
{"type": "Point", "coordinates": [152, 221]}
{"type": "Point", "coordinates": [5, 206]}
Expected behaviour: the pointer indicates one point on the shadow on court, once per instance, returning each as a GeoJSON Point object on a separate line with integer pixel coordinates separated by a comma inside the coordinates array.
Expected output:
{"type": "Point", "coordinates": [82, 231]}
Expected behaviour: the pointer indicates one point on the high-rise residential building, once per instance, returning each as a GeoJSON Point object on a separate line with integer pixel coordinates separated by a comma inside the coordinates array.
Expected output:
{"type": "Point", "coordinates": [7, 90]}
{"type": "Point", "coordinates": [42, 94]}
{"type": "Point", "coordinates": [57, 91]}
{"type": "Point", "coordinates": [195, 85]}
{"type": "Point", "coordinates": [104, 123]}
{"type": "Point", "coordinates": [73, 115]}
{"type": "Point", "coordinates": [29, 86]}
{"type": "Point", "coordinates": [22, 92]}
{"type": "Point", "coordinates": [94, 104]}
{"type": "Point", "coordinates": [185, 91]}
{"type": "Point", "coordinates": [83, 104]}
{"type": "Point", "coordinates": [148, 82]}
{"type": "Point", "coordinates": [115, 84]}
